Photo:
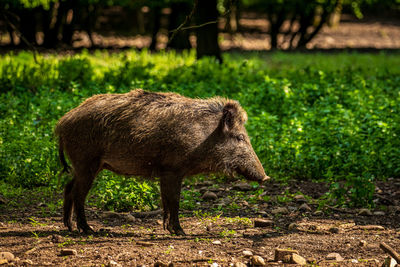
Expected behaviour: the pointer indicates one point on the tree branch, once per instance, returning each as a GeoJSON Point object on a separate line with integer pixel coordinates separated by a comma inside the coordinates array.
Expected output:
{"type": "Point", "coordinates": [189, 17]}
{"type": "Point", "coordinates": [187, 20]}
{"type": "Point", "coordinates": [20, 35]}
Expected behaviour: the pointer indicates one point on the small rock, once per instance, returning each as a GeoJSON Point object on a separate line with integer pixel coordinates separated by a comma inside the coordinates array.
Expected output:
{"type": "Point", "coordinates": [262, 213]}
{"type": "Point", "coordinates": [297, 259]}
{"type": "Point", "coordinates": [129, 218]}
{"type": "Point", "coordinates": [161, 264]}
{"type": "Point", "coordinates": [379, 213]}
{"type": "Point", "coordinates": [281, 253]}
{"type": "Point", "coordinates": [56, 238]}
{"type": "Point", "coordinates": [203, 189]}
{"type": "Point", "coordinates": [68, 251]}
{"type": "Point", "coordinates": [216, 242]}
{"type": "Point", "coordinates": [312, 227]}
{"type": "Point", "coordinates": [214, 264]}
{"type": "Point", "coordinates": [287, 259]}
{"type": "Point", "coordinates": [394, 209]}
{"type": "Point", "coordinates": [242, 187]}
{"type": "Point", "coordinates": [110, 215]}
{"type": "Point", "coordinates": [257, 261]}
{"type": "Point", "coordinates": [334, 256]}
{"type": "Point", "coordinates": [293, 226]}
{"type": "Point", "coordinates": [280, 210]}
{"type": "Point", "coordinates": [27, 262]}
{"type": "Point", "coordinates": [209, 196]}
{"type": "Point", "coordinates": [112, 263]}
{"type": "Point", "coordinates": [363, 243]}
{"type": "Point", "coordinates": [239, 264]}
{"type": "Point", "coordinates": [292, 209]}
{"type": "Point", "coordinates": [251, 232]}
{"type": "Point", "coordinates": [389, 262]}
{"type": "Point", "coordinates": [31, 250]}
{"type": "Point", "coordinates": [124, 256]}
{"type": "Point", "coordinates": [311, 260]}
{"type": "Point", "coordinates": [263, 222]}
{"type": "Point", "coordinates": [364, 212]}
{"type": "Point", "coordinates": [7, 256]}
{"type": "Point", "coordinates": [318, 213]}
{"type": "Point", "coordinates": [334, 230]}
{"type": "Point", "coordinates": [300, 199]}
{"type": "Point", "coordinates": [304, 208]}
{"type": "Point", "coordinates": [244, 203]}
{"type": "Point", "coordinates": [144, 244]}
{"type": "Point", "coordinates": [247, 253]}
{"type": "Point", "coordinates": [371, 227]}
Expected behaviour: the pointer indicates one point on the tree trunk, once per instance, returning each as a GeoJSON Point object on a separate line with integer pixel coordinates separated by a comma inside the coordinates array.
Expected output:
{"type": "Point", "coordinates": [51, 26]}
{"type": "Point", "coordinates": [238, 14]}
{"type": "Point", "coordinates": [207, 36]}
{"type": "Point", "coordinates": [27, 27]}
{"type": "Point", "coordinates": [276, 19]}
{"type": "Point", "coordinates": [156, 19]}
{"type": "Point", "coordinates": [69, 22]}
{"type": "Point", "coordinates": [179, 12]}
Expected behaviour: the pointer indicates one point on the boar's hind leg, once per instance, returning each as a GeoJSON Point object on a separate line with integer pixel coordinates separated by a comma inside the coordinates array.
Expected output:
{"type": "Point", "coordinates": [68, 205]}
{"type": "Point", "coordinates": [83, 183]}
{"type": "Point", "coordinates": [170, 196]}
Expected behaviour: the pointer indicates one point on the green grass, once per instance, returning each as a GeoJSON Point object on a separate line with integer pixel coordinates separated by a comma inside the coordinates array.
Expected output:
{"type": "Point", "coordinates": [329, 117]}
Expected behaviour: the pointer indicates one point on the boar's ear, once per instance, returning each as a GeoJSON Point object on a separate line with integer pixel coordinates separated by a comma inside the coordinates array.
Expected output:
{"type": "Point", "coordinates": [230, 112]}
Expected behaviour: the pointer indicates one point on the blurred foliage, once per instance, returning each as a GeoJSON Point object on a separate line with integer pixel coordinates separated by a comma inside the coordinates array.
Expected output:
{"type": "Point", "coordinates": [333, 118]}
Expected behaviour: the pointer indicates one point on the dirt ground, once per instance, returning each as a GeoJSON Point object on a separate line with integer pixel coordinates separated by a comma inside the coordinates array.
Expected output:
{"type": "Point", "coordinates": [212, 239]}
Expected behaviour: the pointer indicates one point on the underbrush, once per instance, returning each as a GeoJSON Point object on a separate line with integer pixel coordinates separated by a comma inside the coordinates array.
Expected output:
{"type": "Point", "coordinates": [332, 118]}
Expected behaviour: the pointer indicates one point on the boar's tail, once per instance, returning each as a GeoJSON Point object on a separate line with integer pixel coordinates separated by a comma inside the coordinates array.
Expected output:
{"type": "Point", "coordinates": [66, 168]}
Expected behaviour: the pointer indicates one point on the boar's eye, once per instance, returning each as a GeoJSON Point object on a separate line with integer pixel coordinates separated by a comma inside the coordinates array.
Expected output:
{"type": "Point", "coordinates": [240, 137]}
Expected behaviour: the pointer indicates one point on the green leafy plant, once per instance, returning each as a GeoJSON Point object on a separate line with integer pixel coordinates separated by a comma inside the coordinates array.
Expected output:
{"type": "Point", "coordinates": [331, 118]}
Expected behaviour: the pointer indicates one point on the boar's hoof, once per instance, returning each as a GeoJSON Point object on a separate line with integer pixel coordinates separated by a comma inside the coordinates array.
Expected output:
{"type": "Point", "coordinates": [85, 228]}
{"type": "Point", "coordinates": [177, 230]}
{"type": "Point", "coordinates": [68, 224]}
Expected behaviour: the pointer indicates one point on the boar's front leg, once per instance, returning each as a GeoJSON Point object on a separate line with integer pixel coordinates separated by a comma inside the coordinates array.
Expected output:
{"type": "Point", "coordinates": [170, 196]}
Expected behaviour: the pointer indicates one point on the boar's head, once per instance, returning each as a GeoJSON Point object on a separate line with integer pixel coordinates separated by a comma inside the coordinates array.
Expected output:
{"type": "Point", "coordinates": [234, 151]}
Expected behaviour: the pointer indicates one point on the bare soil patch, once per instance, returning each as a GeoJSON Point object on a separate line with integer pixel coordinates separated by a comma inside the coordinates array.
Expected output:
{"type": "Point", "coordinates": [212, 238]}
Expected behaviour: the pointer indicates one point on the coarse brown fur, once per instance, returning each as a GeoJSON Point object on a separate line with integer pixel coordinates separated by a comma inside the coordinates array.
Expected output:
{"type": "Point", "coordinates": [148, 134]}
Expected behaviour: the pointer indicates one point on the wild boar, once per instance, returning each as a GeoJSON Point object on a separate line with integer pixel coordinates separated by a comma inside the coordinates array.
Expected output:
{"type": "Point", "coordinates": [153, 135]}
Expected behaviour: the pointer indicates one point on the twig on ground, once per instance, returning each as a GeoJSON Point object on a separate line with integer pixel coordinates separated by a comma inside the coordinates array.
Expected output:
{"type": "Point", "coordinates": [390, 251]}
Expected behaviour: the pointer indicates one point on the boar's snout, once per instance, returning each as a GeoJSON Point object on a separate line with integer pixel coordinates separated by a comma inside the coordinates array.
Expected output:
{"type": "Point", "coordinates": [253, 176]}
{"type": "Point", "coordinates": [253, 170]}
